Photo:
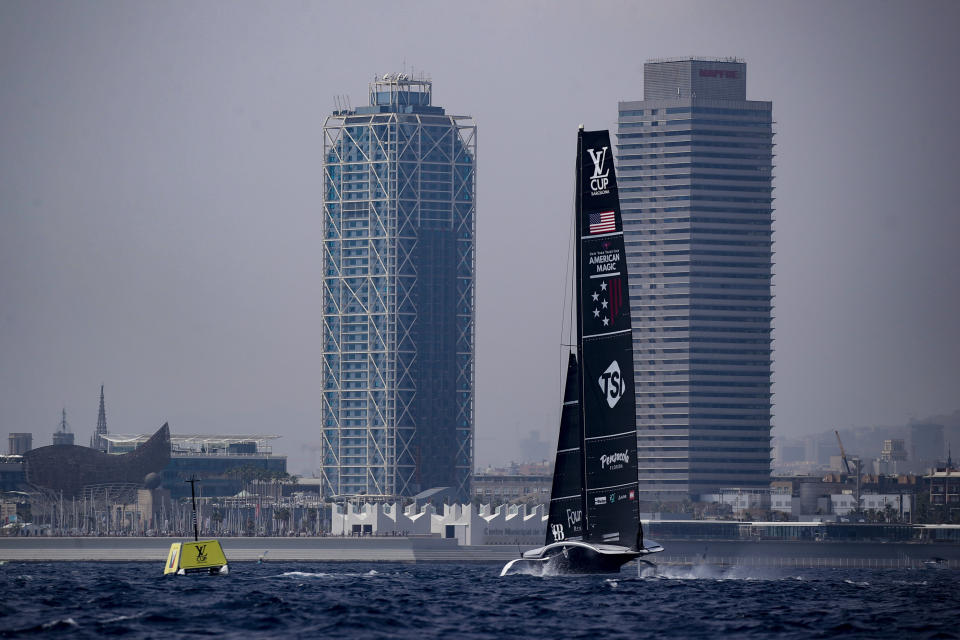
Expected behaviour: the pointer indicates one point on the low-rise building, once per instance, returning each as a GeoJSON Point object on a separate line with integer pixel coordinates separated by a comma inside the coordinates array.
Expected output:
{"type": "Point", "coordinates": [223, 463]}
{"type": "Point", "coordinates": [741, 500]}
{"type": "Point", "coordinates": [12, 475]}
{"type": "Point", "coordinates": [469, 524]}
{"type": "Point", "coordinates": [8, 511]}
{"type": "Point", "coordinates": [519, 483]}
{"type": "Point", "coordinates": [783, 500]}
{"type": "Point", "coordinates": [898, 505]}
{"type": "Point", "coordinates": [19, 443]}
{"type": "Point", "coordinates": [944, 485]}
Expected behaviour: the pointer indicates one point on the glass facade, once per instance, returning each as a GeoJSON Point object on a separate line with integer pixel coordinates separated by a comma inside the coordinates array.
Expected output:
{"type": "Point", "coordinates": [695, 166]}
{"type": "Point", "coordinates": [398, 295]}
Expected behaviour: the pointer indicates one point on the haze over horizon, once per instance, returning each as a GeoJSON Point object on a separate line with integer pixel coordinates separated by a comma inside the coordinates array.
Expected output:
{"type": "Point", "coordinates": [161, 195]}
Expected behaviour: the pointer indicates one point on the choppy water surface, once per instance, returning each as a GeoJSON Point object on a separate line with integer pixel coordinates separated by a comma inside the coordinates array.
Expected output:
{"type": "Point", "coordinates": [471, 601]}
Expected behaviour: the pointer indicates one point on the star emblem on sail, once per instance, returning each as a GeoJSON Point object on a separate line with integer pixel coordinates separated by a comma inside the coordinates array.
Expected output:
{"type": "Point", "coordinates": [608, 299]}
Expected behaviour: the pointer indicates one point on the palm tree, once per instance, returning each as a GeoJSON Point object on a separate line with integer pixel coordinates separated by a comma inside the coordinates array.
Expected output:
{"type": "Point", "coordinates": [889, 514]}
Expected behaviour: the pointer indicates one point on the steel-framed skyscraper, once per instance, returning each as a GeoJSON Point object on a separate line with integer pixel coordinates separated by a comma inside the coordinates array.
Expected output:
{"type": "Point", "coordinates": [695, 165]}
{"type": "Point", "coordinates": [398, 294]}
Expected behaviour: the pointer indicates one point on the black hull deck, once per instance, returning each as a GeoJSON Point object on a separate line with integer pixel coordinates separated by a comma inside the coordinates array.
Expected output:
{"type": "Point", "coordinates": [573, 558]}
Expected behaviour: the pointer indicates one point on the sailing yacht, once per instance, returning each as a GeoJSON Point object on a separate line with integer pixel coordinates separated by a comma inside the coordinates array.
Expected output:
{"type": "Point", "coordinates": [594, 522]}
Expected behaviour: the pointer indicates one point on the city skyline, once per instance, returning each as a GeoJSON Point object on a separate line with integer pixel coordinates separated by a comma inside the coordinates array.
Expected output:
{"type": "Point", "coordinates": [160, 209]}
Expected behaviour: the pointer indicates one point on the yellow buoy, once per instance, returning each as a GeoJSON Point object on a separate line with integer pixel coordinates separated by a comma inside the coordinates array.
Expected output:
{"type": "Point", "coordinates": [201, 556]}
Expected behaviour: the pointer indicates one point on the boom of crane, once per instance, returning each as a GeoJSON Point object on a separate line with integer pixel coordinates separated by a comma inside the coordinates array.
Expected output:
{"type": "Point", "coordinates": [843, 454]}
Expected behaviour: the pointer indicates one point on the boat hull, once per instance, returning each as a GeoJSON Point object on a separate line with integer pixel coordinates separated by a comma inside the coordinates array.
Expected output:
{"type": "Point", "coordinates": [575, 557]}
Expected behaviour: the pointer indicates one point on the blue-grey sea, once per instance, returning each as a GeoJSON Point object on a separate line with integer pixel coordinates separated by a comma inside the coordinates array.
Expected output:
{"type": "Point", "coordinates": [312, 600]}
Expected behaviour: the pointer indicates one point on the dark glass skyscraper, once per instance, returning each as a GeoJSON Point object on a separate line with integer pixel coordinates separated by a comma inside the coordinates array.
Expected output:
{"type": "Point", "coordinates": [695, 165]}
{"type": "Point", "coordinates": [398, 295]}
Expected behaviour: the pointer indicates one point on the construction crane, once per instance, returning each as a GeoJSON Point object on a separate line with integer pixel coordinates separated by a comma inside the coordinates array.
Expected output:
{"type": "Point", "coordinates": [846, 464]}
{"type": "Point", "coordinates": [843, 454]}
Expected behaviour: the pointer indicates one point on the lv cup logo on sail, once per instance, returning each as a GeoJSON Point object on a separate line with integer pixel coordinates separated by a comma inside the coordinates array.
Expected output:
{"type": "Point", "coordinates": [612, 384]}
{"type": "Point", "coordinates": [600, 178]}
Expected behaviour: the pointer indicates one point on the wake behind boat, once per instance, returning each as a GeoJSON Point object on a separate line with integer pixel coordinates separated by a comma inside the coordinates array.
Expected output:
{"type": "Point", "coordinates": [594, 522]}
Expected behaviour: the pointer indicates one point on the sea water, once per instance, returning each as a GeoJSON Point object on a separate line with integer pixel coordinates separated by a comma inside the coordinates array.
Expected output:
{"type": "Point", "coordinates": [310, 600]}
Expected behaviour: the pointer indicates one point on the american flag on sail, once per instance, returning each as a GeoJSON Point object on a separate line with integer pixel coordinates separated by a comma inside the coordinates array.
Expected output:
{"type": "Point", "coordinates": [602, 222]}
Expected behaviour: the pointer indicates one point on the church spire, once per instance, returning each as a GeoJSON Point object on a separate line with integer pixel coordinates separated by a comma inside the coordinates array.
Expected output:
{"type": "Point", "coordinates": [97, 441]}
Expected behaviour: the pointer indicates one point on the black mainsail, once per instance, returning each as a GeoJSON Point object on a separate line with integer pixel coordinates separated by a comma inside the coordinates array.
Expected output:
{"type": "Point", "coordinates": [565, 521]}
{"type": "Point", "coordinates": [594, 521]}
{"type": "Point", "coordinates": [605, 346]}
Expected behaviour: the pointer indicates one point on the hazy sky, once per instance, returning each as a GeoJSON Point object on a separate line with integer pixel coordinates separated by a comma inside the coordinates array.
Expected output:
{"type": "Point", "coordinates": [160, 198]}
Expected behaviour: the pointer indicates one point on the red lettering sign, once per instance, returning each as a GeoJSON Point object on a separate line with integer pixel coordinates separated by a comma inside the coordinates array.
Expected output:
{"type": "Point", "coordinates": [717, 73]}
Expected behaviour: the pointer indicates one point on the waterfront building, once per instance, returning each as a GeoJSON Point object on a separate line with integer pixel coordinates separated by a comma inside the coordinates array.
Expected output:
{"type": "Point", "coordinates": [19, 443]}
{"type": "Point", "coordinates": [783, 500]}
{"type": "Point", "coordinates": [8, 512]}
{"type": "Point", "coordinates": [740, 500]}
{"type": "Point", "coordinates": [223, 464]}
{"type": "Point", "coordinates": [497, 488]}
{"type": "Point", "coordinates": [468, 524]}
{"type": "Point", "coordinates": [700, 530]}
{"type": "Point", "coordinates": [69, 470]}
{"type": "Point", "coordinates": [695, 166]}
{"type": "Point", "coordinates": [897, 505]}
{"type": "Point", "coordinates": [944, 483]}
{"type": "Point", "coordinates": [12, 475]}
{"type": "Point", "coordinates": [398, 295]}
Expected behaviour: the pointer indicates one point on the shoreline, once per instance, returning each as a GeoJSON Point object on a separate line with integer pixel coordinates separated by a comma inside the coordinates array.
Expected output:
{"type": "Point", "coordinates": [411, 550]}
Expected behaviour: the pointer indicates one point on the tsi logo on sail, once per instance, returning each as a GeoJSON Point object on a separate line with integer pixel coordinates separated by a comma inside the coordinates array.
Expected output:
{"type": "Point", "coordinates": [613, 384]}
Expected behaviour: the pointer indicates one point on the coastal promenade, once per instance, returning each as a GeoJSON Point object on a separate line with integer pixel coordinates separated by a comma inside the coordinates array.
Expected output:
{"type": "Point", "coordinates": [417, 549]}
